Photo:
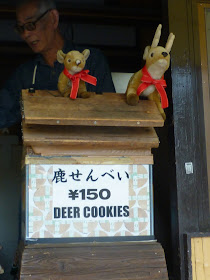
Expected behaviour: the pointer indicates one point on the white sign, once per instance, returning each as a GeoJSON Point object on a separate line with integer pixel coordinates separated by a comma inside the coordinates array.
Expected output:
{"type": "Point", "coordinates": [90, 192]}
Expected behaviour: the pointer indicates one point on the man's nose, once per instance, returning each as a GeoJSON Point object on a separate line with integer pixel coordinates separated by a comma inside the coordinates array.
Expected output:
{"type": "Point", "coordinates": [25, 34]}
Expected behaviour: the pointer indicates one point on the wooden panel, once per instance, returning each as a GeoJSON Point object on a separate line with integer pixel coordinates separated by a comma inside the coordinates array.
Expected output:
{"type": "Point", "coordinates": [90, 141]}
{"type": "Point", "coordinates": [206, 256]}
{"type": "Point", "coordinates": [193, 260]}
{"type": "Point", "coordinates": [107, 109]}
{"type": "Point", "coordinates": [55, 155]}
{"type": "Point", "coordinates": [93, 261]}
{"type": "Point", "coordinates": [200, 258]}
{"type": "Point", "coordinates": [189, 192]}
{"type": "Point", "coordinates": [92, 137]}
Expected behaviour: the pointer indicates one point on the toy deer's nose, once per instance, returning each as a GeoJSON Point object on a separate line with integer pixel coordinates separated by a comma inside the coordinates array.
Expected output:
{"type": "Point", "coordinates": [78, 62]}
{"type": "Point", "coordinates": [164, 54]}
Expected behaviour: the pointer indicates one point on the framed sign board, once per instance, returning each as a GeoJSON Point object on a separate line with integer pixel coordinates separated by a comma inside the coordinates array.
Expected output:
{"type": "Point", "coordinates": [88, 201]}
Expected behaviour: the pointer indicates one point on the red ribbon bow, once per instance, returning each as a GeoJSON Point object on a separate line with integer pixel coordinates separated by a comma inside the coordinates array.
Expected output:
{"type": "Point", "coordinates": [147, 80]}
{"type": "Point", "coordinates": [83, 75]}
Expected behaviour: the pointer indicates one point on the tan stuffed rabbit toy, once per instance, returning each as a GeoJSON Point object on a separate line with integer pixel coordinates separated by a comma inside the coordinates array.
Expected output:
{"type": "Point", "coordinates": [149, 80]}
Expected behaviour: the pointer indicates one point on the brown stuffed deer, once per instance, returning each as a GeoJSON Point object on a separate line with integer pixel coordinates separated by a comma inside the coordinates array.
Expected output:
{"type": "Point", "coordinates": [71, 81]}
{"type": "Point", "coordinates": [149, 80]}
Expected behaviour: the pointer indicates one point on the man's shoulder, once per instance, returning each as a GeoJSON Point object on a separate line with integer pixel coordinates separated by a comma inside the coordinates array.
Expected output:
{"type": "Point", "coordinates": [93, 51]}
{"type": "Point", "coordinates": [96, 58]}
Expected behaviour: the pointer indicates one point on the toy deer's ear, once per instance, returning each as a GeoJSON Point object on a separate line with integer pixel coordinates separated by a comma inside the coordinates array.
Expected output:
{"type": "Point", "coordinates": [61, 56]}
{"type": "Point", "coordinates": [156, 38]}
{"type": "Point", "coordinates": [86, 53]}
{"type": "Point", "coordinates": [146, 51]}
{"type": "Point", "coordinates": [170, 41]}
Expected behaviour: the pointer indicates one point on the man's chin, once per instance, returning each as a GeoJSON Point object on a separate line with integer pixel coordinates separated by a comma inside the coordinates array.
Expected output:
{"type": "Point", "coordinates": [35, 48]}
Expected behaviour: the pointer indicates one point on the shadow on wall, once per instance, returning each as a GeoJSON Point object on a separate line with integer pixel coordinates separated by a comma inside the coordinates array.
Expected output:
{"type": "Point", "coordinates": [10, 197]}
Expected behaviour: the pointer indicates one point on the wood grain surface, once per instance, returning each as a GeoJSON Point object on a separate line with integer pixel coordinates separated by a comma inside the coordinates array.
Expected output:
{"type": "Point", "coordinates": [94, 261]}
{"type": "Point", "coordinates": [200, 258]}
{"type": "Point", "coordinates": [90, 141]}
{"type": "Point", "coordinates": [107, 109]}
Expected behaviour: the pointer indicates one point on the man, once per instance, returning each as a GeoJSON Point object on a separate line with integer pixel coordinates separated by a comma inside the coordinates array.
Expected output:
{"type": "Point", "coordinates": [37, 24]}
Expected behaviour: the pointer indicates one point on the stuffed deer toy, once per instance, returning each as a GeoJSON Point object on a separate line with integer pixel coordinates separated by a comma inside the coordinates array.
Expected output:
{"type": "Point", "coordinates": [71, 81]}
{"type": "Point", "coordinates": [149, 80]}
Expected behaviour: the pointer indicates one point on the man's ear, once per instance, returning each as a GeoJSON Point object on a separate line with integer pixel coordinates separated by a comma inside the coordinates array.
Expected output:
{"type": "Point", "coordinates": [86, 53]}
{"type": "Point", "coordinates": [60, 56]}
{"type": "Point", "coordinates": [55, 18]}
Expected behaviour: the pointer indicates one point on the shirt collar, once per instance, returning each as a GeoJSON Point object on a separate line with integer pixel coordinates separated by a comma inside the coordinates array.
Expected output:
{"type": "Point", "coordinates": [68, 46]}
{"type": "Point", "coordinates": [39, 59]}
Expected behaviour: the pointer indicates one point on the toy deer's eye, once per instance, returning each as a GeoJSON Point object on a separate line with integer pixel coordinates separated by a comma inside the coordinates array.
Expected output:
{"type": "Point", "coordinates": [69, 60]}
{"type": "Point", "coordinates": [152, 54]}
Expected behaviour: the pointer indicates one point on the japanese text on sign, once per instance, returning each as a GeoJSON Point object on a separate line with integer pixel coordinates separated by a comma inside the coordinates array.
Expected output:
{"type": "Point", "coordinates": [90, 192]}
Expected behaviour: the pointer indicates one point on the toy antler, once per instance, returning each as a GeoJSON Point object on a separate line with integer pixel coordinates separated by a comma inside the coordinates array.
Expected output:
{"type": "Point", "coordinates": [170, 41]}
{"type": "Point", "coordinates": [156, 38]}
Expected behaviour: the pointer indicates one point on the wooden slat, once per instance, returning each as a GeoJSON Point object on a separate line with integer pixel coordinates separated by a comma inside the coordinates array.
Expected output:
{"type": "Point", "coordinates": [198, 259]}
{"type": "Point", "coordinates": [51, 159]}
{"type": "Point", "coordinates": [193, 260]}
{"type": "Point", "coordinates": [96, 156]}
{"type": "Point", "coordinates": [206, 256]}
{"type": "Point", "coordinates": [108, 109]}
{"type": "Point", "coordinates": [90, 141]}
{"type": "Point", "coordinates": [101, 137]}
{"type": "Point", "coordinates": [134, 260]}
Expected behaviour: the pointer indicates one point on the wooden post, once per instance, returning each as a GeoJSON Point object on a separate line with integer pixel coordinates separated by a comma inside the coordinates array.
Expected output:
{"type": "Point", "coordinates": [1, 268]}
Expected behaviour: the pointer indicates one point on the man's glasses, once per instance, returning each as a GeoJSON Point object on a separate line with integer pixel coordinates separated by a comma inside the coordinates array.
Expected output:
{"type": "Point", "coordinates": [29, 26]}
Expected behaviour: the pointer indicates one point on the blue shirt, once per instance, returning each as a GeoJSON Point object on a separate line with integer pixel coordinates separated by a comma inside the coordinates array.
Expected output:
{"type": "Point", "coordinates": [47, 78]}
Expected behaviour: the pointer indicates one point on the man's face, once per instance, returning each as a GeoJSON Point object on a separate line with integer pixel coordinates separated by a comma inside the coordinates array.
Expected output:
{"type": "Point", "coordinates": [41, 39]}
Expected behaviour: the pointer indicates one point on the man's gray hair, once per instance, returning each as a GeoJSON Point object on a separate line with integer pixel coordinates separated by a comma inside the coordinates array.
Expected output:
{"type": "Point", "coordinates": [42, 5]}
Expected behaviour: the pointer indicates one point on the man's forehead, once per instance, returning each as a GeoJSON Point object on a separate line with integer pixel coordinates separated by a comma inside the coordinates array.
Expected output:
{"type": "Point", "coordinates": [27, 12]}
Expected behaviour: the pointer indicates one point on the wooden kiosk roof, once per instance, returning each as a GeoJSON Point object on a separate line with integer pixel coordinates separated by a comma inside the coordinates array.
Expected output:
{"type": "Point", "coordinates": [102, 125]}
{"type": "Point", "coordinates": [107, 109]}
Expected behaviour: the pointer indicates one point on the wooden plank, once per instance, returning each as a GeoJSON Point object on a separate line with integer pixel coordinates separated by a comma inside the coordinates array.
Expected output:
{"type": "Point", "coordinates": [91, 141]}
{"type": "Point", "coordinates": [200, 257]}
{"type": "Point", "coordinates": [206, 256]}
{"type": "Point", "coordinates": [193, 260]}
{"type": "Point", "coordinates": [133, 260]}
{"type": "Point", "coordinates": [107, 109]}
{"type": "Point", "coordinates": [91, 137]}
{"type": "Point", "coordinates": [89, 160]}
{"type": "Point", "coordinates": [96, 152]}
{"type": "Point", "coordinates": [199, 262]}
{"type": "Point", "coordinates": [96, 155]}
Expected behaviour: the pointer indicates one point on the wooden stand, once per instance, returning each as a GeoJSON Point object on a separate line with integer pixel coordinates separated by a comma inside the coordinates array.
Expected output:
{"type": "Point", "coordinates": [113, 261]}
{"type": "Point", "coordinates": [101, 130]}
